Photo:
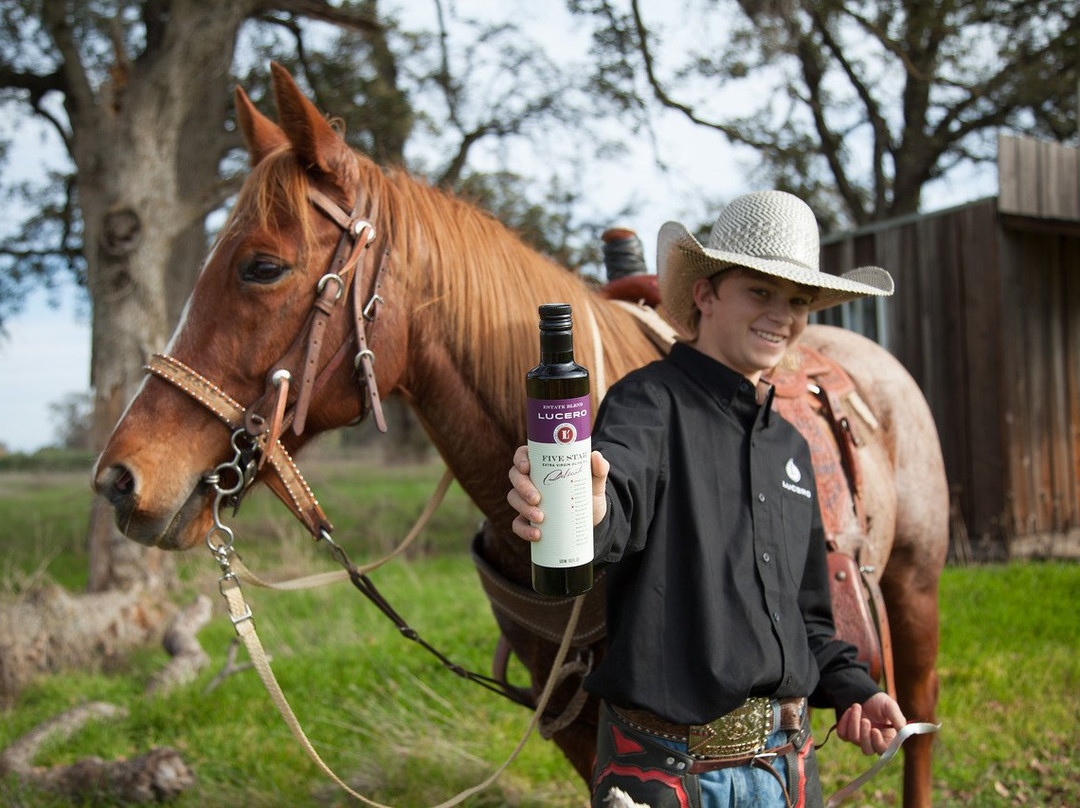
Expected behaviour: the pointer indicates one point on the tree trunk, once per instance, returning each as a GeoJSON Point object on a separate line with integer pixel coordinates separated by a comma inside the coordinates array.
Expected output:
{"type": "Point", "coordinates": [147, 147]}
{"type": "Point", "coordinates": [129, 321]}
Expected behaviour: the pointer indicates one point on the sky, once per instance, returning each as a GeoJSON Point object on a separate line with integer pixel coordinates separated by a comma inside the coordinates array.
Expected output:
{"type": "Point", "coordinates": [45, 358]}
{"type": "Point", "coordinates": [46, 354]}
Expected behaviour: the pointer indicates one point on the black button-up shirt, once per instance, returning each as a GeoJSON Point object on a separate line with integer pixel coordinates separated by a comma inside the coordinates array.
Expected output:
{"type": "Point", "coordinates": [720, 589]}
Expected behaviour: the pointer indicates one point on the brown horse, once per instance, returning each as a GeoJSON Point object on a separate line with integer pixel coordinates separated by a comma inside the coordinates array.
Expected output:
{"type": "Point", "coordinates": [452, 330]}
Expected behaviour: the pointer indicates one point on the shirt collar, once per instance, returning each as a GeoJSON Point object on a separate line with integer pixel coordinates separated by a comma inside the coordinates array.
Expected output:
{"type": "Point", "coordinates": [766, 404]}
{"type": "Point", "coordinates": [720, 381]}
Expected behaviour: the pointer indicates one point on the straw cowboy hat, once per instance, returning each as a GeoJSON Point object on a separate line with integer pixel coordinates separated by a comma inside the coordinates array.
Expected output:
{"type": "Point", "coordinates": [770, 231]}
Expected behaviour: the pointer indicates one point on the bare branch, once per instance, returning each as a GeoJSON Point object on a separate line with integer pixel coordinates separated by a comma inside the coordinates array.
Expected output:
{"type": "Point", "coordinates": [229, 668]}
{"type": "Point", "coordinates": [78, 93]}
{"type": "Point", "coordinates": [187, 655]}
{"type": "Point", "coordinates": [325, 12]}
{"type": "Point", "coordinates": [36, 84]}
{"type": "Point", "coordinates": [662, 95]}
{"type": "Point", "coordinates": [882, 140]}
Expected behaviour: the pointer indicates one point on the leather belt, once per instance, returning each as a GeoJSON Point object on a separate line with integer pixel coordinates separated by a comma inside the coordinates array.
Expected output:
{"type": "Point", "coordinates": [738, 735]}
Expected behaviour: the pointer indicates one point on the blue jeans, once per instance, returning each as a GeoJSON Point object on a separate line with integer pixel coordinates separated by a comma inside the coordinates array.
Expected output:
{"type": "Point", "coordinates": [742, 786]}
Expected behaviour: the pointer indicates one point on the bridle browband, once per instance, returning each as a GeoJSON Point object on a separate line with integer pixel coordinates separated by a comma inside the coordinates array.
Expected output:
{"type": "Point", "coordinates": [257, 434]}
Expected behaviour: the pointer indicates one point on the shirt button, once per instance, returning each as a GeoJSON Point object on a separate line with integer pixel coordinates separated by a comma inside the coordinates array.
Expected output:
{"type": "Point", "coordinates": [776, 617]}
{"type": "Point", "coordinates": [766, 557]}
{"type": "Point", "coordinates": [761, 497]}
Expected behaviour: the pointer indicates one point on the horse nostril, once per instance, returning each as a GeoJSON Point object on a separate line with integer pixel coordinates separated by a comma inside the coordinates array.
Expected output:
{"type": "Point", "coordinates": [117, 485]}
{"type": "Point", "coordinates": [124, 483]}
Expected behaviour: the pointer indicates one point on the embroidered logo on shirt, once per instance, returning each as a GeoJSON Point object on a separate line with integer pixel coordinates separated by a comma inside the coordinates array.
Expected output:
{"type": "Point", "coordinates": [792, 470]}
{"type": "Point", "coordinates": [795, 476]}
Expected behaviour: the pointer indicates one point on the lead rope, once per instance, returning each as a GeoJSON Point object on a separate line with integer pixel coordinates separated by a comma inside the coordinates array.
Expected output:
{"type": "Point", "coordinates": [219, 540]}
{"type": "Point", "coordinates": [907, 731]}
{"type": "Point", "coordinates": [325, 578]}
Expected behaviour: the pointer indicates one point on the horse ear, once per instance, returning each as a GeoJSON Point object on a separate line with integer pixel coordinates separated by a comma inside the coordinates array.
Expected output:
{"type": "Point", "coordinates": [315, 142]}
{"type": "Point", "coordinates": [261, 134]}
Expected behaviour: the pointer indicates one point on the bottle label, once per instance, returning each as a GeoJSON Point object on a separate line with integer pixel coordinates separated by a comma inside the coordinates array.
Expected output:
{"type": "Point", "coordinates": [560, 441]}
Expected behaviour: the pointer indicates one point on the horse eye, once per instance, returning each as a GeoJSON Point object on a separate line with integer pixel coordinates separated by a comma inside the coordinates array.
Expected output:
{"type": "Point", "coordinates": [262, 270]}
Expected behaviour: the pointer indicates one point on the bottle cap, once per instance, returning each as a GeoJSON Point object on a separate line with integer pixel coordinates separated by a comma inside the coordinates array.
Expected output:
{"type": "Point", "coordinates": [555, 317]}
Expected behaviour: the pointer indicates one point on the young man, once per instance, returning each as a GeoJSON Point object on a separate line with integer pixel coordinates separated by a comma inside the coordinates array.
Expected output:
{"type": "Point", "coordinates": [719, 617]}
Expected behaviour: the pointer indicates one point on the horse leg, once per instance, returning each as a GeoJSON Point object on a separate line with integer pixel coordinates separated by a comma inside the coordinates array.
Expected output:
{"type": "Point", "coordinates": [578, 741]}
{"type": "Point", "coordinates": [913, 621]}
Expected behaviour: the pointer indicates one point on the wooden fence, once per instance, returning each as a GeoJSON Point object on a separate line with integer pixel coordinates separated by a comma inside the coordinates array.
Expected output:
{"type": "Point", "coordinates": [986, 318]}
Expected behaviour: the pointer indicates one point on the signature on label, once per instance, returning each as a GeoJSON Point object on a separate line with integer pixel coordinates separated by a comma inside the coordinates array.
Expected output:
{"type": "Point", "coordinates": [555, 475]}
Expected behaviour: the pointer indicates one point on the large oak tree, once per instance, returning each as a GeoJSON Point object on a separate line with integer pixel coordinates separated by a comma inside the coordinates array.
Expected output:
{"type": "Point", "coordinates": [856, 105]}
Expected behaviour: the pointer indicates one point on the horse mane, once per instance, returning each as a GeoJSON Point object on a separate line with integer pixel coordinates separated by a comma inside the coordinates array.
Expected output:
{"type": "Point", "coordinates": [487, 285]}
{"type": "Point", "coordinates": [473, 284]}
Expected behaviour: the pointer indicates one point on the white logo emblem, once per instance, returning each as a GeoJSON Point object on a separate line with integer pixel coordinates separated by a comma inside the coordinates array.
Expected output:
{"type": "Point", "coordinates": [565, 434]}
{"type": "Point", "coordinates": [792, 470]}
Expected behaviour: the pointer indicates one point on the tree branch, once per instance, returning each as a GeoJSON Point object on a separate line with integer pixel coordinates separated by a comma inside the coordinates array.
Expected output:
{"type": "Point", "coordinates": [318, 10]}
{"type": "Point", "coordinates": [37, 84]}
{"type": "Point", "coordinates": [882, 139]}
{"type": "Point", "coordinates": [230, 667]}
{"type": "Point", "coordinates": [187, 655]}
{"type": "Point", "coordinates": [78, 94]}
{"type": "Point", "coordinates": [659, 92]}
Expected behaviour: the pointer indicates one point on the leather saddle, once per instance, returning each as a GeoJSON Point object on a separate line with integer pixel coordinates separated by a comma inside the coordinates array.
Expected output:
{"type": "Point", "coordinates": [821, 401]}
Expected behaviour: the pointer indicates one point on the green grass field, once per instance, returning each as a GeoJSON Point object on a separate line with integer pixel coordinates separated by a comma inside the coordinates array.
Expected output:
{"type": "Point", "coordinates": [406, 732]}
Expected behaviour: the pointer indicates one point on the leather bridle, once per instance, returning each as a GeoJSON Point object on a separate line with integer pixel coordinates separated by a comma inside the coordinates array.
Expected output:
{"type": "Point", "coordinates": [256, 432]}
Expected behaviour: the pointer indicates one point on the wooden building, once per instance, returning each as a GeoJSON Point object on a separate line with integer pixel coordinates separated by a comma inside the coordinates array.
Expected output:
{"type": "Point", "coordinates": [986, 317]}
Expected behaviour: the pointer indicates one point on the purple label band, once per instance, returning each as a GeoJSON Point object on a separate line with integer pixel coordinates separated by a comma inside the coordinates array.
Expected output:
{"type": "Point", "coordinates": [559, 421]}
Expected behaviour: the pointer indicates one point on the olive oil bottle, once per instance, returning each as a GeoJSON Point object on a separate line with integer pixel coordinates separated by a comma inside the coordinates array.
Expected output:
{"type": "Point", "coordinates": [560, 442]}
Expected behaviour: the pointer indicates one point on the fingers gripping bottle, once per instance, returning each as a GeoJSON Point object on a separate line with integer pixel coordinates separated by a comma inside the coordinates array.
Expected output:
{"type": "Point", "coordinates": [560, 423]}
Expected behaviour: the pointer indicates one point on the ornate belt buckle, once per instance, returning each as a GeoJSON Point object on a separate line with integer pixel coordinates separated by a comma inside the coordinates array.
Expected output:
{"type": "Point", "coordinates": [743, 731]}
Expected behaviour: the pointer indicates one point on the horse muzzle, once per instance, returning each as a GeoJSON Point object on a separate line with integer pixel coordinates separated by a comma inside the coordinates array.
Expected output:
{"type": "Point", "coordinates": [167, 527]}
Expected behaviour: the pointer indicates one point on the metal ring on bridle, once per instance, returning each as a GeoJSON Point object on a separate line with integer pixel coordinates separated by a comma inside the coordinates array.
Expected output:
{"type": "Point", "coordinates": [331, 276]}
{"type": "Point", "coordinates": [220, 550]}
{"type": "Point", "coordinates": [360, 358]}
{"type": "Point", "coordinates": [357, 227]}
{"type": "Point", "coordinates": [238, 435]}
{"type": "Point", "coordinates": [371, 305]}
{"type": "Point", "coordinates": [215, 477]}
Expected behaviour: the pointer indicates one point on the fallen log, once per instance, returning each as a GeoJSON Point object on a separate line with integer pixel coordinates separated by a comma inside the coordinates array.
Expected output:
{"type": "Point", "coordinates": [48, 630]}
{"type": "Point", "coordinates": [187, 656]}
{"type": "Point", "coordinates": [154, 776]}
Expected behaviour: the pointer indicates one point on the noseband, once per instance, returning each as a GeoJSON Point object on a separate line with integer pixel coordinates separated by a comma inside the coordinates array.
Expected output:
{"type": "Point", "coordinates": [257, 434]}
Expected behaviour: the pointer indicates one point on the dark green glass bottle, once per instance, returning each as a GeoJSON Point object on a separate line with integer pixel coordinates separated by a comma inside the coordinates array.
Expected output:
{"type": "Point", "coordinates": [560, 441]}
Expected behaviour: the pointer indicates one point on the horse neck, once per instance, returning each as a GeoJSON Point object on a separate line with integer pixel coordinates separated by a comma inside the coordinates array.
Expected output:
{"type": "Point", "coordinates": [469, 293]}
